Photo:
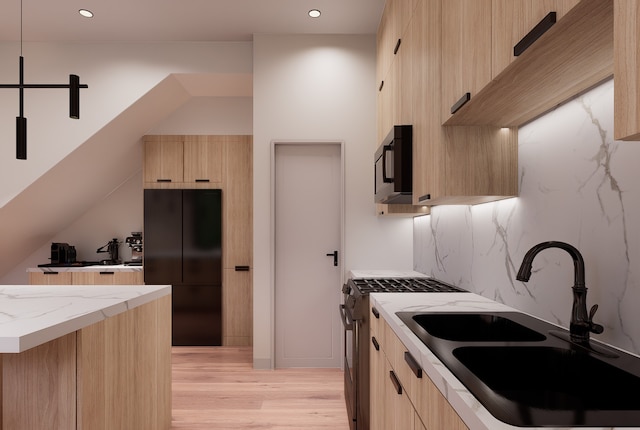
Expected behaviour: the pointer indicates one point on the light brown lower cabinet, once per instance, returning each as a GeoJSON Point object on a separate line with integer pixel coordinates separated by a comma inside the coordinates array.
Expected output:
{"type": "Point", "coordinates": [402, 395]}
{"type": "Point", "coordinates": [87, 278]}
{"type": "Point", "coordinates": [114, 374]}
{"type": "Point", "coordinates": [237, 307]}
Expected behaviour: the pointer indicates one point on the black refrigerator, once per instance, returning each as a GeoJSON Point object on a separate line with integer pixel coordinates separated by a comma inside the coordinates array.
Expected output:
{"type": "Point", "coordinates": [183, 248]}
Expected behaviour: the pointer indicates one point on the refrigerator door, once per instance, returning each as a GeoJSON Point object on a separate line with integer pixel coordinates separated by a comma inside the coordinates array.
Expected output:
{"type": "Point", "coordinates": [163, 237]}
{"type": "Point", "coordinates": [202, 237]}
{"type": "Point", "coordinates": [196, 315]}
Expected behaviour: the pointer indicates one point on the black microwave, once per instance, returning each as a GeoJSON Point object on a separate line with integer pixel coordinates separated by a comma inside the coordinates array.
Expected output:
{"type": "Point", "coordinates": [394, 167]}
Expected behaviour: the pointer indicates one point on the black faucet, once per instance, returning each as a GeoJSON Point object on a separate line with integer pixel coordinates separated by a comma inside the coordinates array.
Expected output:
{"type": "Point", "coordinates": [581, 323]}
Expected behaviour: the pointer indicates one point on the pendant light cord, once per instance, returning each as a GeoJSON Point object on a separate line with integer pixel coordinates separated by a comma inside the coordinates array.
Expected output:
{"type": "Point", "coordinates": [21, 28]}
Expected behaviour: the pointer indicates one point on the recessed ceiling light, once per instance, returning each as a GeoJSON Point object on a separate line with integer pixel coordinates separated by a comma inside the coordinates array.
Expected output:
{"type": "Point", "coordinates": [314, 13]}
{"type": "Point", "coordinates": [86, 13]}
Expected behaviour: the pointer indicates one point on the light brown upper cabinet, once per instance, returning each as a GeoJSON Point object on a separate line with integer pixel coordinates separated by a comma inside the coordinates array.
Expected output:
{"type": "Point", "coordinates": [203, 159]}
{"type": "Point", "coordinates": [515, 19]}
{"type": "Point", "coordinates": [163, 159]}
{"type": "Point", "coordinates": [451, 165]}
{"type": "Point", "coordinates": [572, 56]}
{"type": "Point", "coordinates": [176, 161]}
{"type": "Point", "coordinates": [466, 51]}
{"type": "Point", "coordinates": [626, 69]}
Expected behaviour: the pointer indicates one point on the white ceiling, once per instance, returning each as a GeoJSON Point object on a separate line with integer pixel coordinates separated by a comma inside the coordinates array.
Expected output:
{"type": "Point", "coordinates": [182, 20]}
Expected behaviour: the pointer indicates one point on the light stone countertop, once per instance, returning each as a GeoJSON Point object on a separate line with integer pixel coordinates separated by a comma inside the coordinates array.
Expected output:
{"type": "Point", "coordinates": [360, 274]}
{"type": "Point", "coordinates": [95, 268]}
{"type": "Point", "coordinates": [475, 416]}
{"type": "Point", "coordinates": [31, 315]}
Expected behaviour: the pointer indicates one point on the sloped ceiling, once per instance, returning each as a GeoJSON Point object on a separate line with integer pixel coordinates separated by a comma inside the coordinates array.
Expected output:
{"type": "Point", "coordinates": [98, 166]}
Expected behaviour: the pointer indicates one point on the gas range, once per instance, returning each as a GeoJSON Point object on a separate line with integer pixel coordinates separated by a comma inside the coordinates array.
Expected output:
{"type": "Point", "coordinates": [356, 320]}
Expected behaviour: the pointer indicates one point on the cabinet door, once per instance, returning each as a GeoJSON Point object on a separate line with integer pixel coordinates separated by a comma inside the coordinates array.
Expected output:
{"type": "Point", "coordinates": [203, 159]}
{"type": "Point", "coordinates": [626, 44]}
{"type": "Point", "coordinates": [163, 159]}
{"type": "Point", "coordinates": [428, 151]}
{"type": "Point", "coordinates": [108, 278]}
{"type": "Point", "coordinates": [466, 50]}
{"type": "Point", "coordinates": [50, 278]}
{"type": "Point", "coordinates": [398, 408]}
{"type": "Point", "coordinates": [514, 19]}
{"type": "Point", "coordinates": [376, 384]}
{"type": "Point", "coordinates": [238, 197]}
{"type": "Point", "coordinates": [237, 307]}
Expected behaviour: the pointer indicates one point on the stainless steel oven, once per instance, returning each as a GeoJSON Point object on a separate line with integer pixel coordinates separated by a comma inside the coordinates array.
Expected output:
{"type": "Point", "coordinates": [355, 319]}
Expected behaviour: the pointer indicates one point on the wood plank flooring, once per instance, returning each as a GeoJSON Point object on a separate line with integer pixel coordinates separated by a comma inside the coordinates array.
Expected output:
{"type": "Point", "coordinates": [217, 388]}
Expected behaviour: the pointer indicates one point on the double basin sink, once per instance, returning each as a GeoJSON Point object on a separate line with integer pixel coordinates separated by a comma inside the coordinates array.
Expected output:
{"type": "Point", "coordinates": [525, 374]}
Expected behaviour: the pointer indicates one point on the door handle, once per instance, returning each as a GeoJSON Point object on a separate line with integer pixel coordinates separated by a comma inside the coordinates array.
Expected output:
{"type": "Point", "coordinates": [334, 254]}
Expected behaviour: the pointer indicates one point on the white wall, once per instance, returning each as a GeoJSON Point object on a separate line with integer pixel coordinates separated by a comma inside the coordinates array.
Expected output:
{"type": "Point", "coordinates": [577, 185]}
{"type": "Point", "coordinates": [118, 74]}
{"type": "Point", "coordinates": [319, 88]}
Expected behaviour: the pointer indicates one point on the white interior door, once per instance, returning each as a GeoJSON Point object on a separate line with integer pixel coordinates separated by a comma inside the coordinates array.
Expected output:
{"type": "Point", "coordinates": [308, 195]}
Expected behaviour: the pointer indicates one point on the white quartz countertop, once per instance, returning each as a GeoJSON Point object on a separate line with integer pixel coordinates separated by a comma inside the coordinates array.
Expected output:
{"type": "Point", "coordinates": [366, 273]}
{"type": "Point", "coordinates": [466, 405]}
{"type": "Point", "coordinates": [96, 268]}
{"type": "Point", "coordinates": [31, 315]}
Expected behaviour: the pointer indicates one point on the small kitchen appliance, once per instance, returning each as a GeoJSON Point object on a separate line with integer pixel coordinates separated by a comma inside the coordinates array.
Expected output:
{"type": "Point", "coordinates": [112, 248]}
{"type": "Point", "coordinates": [355, 318]}
{"type": "Point", "coordinates": [135, 243]}
{"type": "Point", "coordinates": [393, 167]}
{"type": "Point", "coordinates": [62, 253]}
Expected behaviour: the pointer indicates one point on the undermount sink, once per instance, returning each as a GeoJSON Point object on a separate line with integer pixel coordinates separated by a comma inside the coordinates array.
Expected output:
{"type": "Point", "coordinates": [525, 377]}
{"type": "Point", "coordinates": [559, 385]}
{"type": "Point", "coordinates": [473, 327]}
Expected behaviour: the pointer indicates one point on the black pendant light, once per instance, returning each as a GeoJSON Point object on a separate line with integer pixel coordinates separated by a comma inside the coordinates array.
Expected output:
{"type": "Point", "coordinates": [21, 122]}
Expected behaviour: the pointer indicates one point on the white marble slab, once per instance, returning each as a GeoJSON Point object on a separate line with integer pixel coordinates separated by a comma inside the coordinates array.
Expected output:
{"type": "Point", "coordinates": [372, 273]}
{"type": "Point", "coordinates": [475, 416]}
{"type": "Point", "coordinates": [31, 315]}
{"type": "Point", "coordinates": [96, 268]}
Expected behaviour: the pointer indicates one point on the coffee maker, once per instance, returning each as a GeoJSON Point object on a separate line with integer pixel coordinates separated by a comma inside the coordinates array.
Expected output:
{"type": "Point", "coordinates": [112, 248]}
{"type": "Point", "coordinates": [135, 243]}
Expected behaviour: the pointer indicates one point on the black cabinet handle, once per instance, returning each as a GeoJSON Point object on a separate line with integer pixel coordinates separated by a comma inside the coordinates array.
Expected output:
{"type": "Point", "coordinates": [50, 273]}
{"type": "Point", "coordinates": [107, 273]}
{"type": "Point", "coordinates": [202, 180]}
{"type": "Point", "coordinates": [395, 381]}
{"type": "Point", "coordinates": [242, 268]}
{"type": "Point", "coordinates": [381, 85]}
{"type": "Point", "coordinates": [395, 50]}
{"type": "Point", "coordinates": [424, 198]}
{"type": "Point", "coordinates": [375, 313]}
{"type": "Point", "coordinates": [375, 343]}
{"type": "Point", "coordinates": [535, 33]}
{"type": "Point", "coordinates": [463, 100]}
{"type": "Point", "coordinates": [163, 180]}
{"type": "Point", "coordinates": [413, 364]}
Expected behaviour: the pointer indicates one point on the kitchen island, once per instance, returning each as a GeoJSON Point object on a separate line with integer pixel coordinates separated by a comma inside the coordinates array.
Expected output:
{"type": "Point", "coordinates": [447, 392]}
{"type": "Point", "coordinates": [85, 357]}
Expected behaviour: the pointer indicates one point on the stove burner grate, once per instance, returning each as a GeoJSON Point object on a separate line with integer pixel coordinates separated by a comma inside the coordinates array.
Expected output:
{"type": "Point", "coordinates": [404, 285]}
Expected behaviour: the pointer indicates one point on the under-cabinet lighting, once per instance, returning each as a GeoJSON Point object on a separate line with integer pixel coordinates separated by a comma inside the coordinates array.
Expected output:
{"type": "Point", "coordinates": [86, 13]}
{"type": "Point", "coordinates": [314, 13]}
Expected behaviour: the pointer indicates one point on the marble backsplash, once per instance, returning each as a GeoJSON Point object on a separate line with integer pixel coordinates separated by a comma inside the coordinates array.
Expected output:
{"type": "Point", "coordinates": [577, 185]}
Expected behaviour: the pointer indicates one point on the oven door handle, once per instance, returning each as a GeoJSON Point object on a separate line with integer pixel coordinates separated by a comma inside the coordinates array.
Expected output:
{"type": "Point", "coordinates": [347, 320]}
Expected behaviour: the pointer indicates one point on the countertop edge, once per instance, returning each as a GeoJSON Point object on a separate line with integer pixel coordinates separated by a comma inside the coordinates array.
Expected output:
{"type": "Point", "coordinates": [133, 296]}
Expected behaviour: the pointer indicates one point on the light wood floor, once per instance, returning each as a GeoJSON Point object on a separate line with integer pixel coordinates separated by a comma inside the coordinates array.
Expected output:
{"type": "Point", "coordinates": [217, 388]}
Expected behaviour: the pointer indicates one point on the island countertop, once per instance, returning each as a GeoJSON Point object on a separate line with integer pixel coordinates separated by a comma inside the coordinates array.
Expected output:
{"type": "Point", "coordinates": [31, 315]}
